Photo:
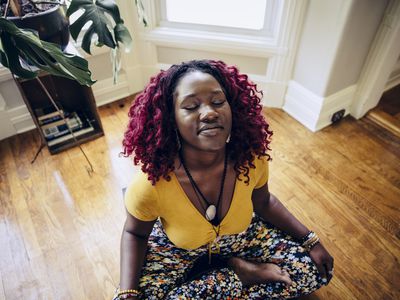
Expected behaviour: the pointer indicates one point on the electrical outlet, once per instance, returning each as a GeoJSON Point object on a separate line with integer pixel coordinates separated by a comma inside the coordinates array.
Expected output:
{"type": "Point", "coordinates": [337, 116]}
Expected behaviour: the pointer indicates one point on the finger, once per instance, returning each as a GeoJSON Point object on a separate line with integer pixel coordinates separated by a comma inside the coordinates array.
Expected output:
{"type": "Point", "coordinates": [275, 260]}
{"type": "Point", "coordinates": [330, 269]}
{"type": "Point", "coordinates": [285, 278]}
{"type": "Point", "coordinates": [281, 276]}
{"type": "Point", "coordinates": [322, 272]}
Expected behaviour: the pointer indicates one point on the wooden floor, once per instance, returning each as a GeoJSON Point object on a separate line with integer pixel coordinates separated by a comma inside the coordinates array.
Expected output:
{"type": "Point", "coordinates": [60, 228]}
{"type": "Point", "coordinates": [387, 113]}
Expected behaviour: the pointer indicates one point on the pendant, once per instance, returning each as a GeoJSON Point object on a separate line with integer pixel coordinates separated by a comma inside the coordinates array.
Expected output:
{"type": "Point", "coordinates": [213, 248]}
{"type": "Point", "coordinates": [211, 212]}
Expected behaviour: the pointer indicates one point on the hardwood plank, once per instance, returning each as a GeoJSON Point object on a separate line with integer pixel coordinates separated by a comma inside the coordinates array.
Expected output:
{"type": "Point", "coordinates": [350, 176]}
{"type": "Point", "coordinates": [387, 121]}
{"type": "Point", "coordinates": [60, 226]}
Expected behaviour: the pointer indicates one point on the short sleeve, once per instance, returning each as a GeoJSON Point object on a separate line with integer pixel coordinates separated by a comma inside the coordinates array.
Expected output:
{"type": "Point", "coordinates": [262, 171]}
{"type": "Point", "coordinates": [141, 199]}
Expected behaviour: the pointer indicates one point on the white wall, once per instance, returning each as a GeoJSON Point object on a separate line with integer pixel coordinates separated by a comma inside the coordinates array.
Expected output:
{"type": "Point", "coordinates": [359, 31]}
{"type": "Point", "coordinates": [337, 39]}
{"type": "Point", "coordinates": [317, 48]}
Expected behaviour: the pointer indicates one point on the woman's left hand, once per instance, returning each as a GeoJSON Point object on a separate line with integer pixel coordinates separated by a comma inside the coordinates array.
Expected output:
{"type": "Point", "coordinates": [323, 260]}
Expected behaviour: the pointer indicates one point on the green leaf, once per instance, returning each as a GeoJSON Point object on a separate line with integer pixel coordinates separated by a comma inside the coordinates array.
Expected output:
{"type": "Point", "coordinates": [87, 40]}
{"type": "Point", "coordinates": [123, 36]}
{"type": "Point", "coordinates": [3, 59]}
{"type": "Point", "coordinates": [103, 14]}
{"type": "Point", "coordinates": [19, 45]}
{"type": "Point", "coordinates": [141, 13]}
{"type": "Point", "coordinates": [14, 63]}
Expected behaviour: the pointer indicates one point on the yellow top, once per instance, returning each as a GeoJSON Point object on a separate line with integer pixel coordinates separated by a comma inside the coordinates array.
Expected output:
{"type": "Point", "coordinates": [182, 222]}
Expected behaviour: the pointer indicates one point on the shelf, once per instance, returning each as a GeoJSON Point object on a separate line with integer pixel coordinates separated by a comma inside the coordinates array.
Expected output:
{"type": "Point", "coordinates": [71, 97]}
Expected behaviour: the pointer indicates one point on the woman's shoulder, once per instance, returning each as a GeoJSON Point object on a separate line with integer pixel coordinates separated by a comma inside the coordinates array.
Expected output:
{"type": "Point", "coordinates": [142, 198]}
{"type": "Point", "coordinates": [260, 161]}
{"type": "Point", "coordinates": [141, 182]}
{"type": "Point", "coordinates": [261, 171]}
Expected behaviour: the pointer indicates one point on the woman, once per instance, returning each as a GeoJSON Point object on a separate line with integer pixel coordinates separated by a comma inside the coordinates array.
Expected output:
{"type": "Point", "coordinates": [201, 222]}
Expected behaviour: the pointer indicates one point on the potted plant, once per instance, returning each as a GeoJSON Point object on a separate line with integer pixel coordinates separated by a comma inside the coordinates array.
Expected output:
{"type": "Point", "coordinates": [34, 33]}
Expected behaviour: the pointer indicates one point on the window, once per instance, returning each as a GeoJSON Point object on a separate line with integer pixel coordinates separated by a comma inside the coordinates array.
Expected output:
{"type": "Point", "coordinates": [226, 13]}
{"type": "Point", "coordinates": [224, 26]}
{"type": "Point", "coordinates": [237, 17]}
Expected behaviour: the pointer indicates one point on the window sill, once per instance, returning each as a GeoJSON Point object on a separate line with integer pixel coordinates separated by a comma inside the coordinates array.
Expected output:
{"type": "Point", "coordinates": [215, 42]}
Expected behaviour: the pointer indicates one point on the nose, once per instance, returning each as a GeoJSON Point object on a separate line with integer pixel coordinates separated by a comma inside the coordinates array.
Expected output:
{"type": "Point", "coordinates": [208, 114]}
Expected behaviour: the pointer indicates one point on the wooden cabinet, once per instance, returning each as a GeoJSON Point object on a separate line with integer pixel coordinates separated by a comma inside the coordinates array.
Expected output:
{"type": "Point", "coordinates": [77, 103]}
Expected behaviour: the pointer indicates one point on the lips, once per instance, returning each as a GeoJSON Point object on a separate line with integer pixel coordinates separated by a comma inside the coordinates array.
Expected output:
{"type": "Point", "coordinates": [210, 130]}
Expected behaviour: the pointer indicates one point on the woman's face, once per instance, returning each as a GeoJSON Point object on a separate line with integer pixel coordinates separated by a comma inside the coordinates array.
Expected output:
{"type": "Point", "coordinates": [202, 113]}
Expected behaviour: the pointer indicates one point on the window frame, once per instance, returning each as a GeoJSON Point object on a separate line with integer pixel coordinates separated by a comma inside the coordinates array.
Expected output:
{"type": "Point", "coordinates": [273, 15]}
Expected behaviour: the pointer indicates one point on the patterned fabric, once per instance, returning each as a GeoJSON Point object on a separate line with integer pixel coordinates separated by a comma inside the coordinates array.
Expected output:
{"type": "Point", "coordinates": [167, 268]}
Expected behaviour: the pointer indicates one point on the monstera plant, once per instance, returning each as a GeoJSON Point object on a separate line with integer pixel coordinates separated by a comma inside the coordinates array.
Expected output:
{"type": "Point", "coordinates": [22, 50]}
{"type": "Point", "coordinates": [27, 49]}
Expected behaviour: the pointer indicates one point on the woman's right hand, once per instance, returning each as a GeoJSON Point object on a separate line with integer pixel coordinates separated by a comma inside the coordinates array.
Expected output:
{"type": "Point", "coordinates": [251, 273]}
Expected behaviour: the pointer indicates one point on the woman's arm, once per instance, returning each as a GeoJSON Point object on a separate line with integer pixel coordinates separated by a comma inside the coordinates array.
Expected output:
{"type": "Point", "coordinates": [133, 251]}
{"type": "Point", "coordinates": [268, 207]}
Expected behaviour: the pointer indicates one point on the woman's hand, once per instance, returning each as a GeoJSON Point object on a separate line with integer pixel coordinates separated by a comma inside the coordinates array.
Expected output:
{"type": "Point", "coordinates": [323, 260]}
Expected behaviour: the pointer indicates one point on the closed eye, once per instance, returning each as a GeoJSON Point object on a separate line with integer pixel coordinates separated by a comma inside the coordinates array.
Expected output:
{"type": "Point", "coordinates": [191, 107]}
{"type": "Point", "coordinates": [219, 102]}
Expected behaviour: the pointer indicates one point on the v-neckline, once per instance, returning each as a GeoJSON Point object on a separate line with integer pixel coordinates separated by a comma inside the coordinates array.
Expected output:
{"type": "Point", "coordinates": [175, 178]}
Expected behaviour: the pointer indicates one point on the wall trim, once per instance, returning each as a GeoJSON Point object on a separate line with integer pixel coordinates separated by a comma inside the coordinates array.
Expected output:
{"type": "Point", "coordinates": [394, 78]}
{"type": "Point", "coordinates": [20, 119]}
{"type": "Point", "coordinates": [313, 111]}
{"type": "Point", "coordinates": [105, 91]}
{"type": "Point", "coordinates": [335, 102]}
{"type": "Point", "coordinates": [280, 67]}
{"type": "Point", "coordinates": [215, 42]}
{"type": "Point", "coordinates": [303, 105]}
{"type": "Point", "coordinates": [5, 74]}
{"type": "Point", "coordinates": [392, 83]}
{"type": "Point", "coordinates": [383, 55]}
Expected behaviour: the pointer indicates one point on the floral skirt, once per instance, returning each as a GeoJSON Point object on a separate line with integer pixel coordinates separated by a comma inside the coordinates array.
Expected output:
{"type": "Point", "coordinates": [168, 270]}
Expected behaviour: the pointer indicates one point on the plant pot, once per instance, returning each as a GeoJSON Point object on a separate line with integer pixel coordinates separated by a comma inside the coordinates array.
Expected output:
{"type": "Point", "coordinates": [52, 25]}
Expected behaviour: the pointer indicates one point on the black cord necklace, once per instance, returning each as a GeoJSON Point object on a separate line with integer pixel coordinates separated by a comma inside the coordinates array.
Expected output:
{"type": "Point", "coordinates": [211, 209]}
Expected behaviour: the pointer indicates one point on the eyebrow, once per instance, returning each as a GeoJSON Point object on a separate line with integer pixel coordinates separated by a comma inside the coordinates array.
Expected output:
{"type": "Point", "coordinates": [215, 92]}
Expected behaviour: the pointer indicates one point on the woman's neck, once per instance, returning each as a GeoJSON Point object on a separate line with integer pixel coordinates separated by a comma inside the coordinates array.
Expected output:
{"type": "Point", "coordinates": [197, 160]}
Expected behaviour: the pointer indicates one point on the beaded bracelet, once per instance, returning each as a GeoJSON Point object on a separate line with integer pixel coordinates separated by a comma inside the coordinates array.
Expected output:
{"type": "Point", "coordinates": [310, 240]}
{"type": "Point", "coordinates": [124, 294]}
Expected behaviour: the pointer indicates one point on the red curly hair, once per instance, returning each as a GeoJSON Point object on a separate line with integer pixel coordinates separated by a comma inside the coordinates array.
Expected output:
{"type": "Point", "coordinates": [151, 133]}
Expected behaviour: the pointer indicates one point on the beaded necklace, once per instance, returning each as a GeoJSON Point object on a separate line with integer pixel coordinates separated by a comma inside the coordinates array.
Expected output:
{"type": "Point", "coordinates": [211, 212]}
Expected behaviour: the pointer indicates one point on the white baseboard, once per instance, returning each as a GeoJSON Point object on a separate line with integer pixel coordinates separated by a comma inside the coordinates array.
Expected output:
{"type": "Point", "coordinates": [105, 91]}
{"type": "Point", "coordinates": [335, 102]}
{"type": "Point", "coordinates": [313, 111]}
{"type": "Point", "coordinates": [303, 105]}
{"type": "Point", "coordinates": [392, 83]}
{"type": "Point", "coordinates": [20, 119]}
{"type": "Point", "coordinates": [6, 127]}
{"type": "Point", "coordinates": [274, 94]}
{"type": "Point", "coordinates": [14, 121]}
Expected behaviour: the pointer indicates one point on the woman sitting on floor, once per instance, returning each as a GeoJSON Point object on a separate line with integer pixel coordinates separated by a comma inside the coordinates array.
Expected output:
{"type": "Point", "coordinates": [201, 222]}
